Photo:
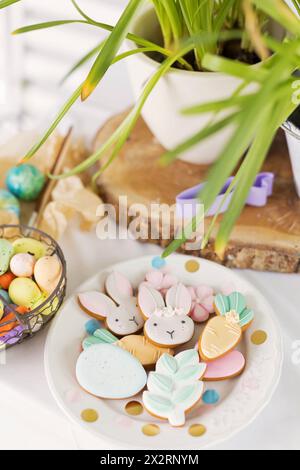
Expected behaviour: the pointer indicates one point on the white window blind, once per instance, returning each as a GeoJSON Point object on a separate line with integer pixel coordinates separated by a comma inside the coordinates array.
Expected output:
{"type": "Point", "coordinates": [47, 55]}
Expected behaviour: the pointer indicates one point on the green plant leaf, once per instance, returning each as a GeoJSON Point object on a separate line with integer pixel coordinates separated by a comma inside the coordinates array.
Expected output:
{"type": "Point", "coordinates": [110, 49]}
{"type": "Point", "coordinates": [83, 61]}
{"type": "Point", "coordinates": [63, 111]}
{"type": "Point", "coordinates": [46, 25]}
{"type": "Point", "coordinates": [7, 3]}
{"type": "Point", "coordinates": [280, 12]}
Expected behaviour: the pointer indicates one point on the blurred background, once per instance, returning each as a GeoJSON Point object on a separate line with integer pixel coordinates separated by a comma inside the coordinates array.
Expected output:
{"type": "Point", "coordinates": [32, 66]}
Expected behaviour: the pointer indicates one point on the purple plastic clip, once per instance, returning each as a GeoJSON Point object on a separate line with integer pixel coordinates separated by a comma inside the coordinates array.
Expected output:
{"type": "Point", "coordinates": [187, 202]}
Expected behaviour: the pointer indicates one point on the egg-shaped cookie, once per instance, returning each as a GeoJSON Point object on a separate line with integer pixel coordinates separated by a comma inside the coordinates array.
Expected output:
{"type": "Point", "coordinates": [24, 292]}
{"type": "Point", "coordinates": [47, 273]}
{"type": "Point", "coordinates": [31, 246]}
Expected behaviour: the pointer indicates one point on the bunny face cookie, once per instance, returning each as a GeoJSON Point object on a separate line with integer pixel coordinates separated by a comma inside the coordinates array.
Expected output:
{"type": "Point", "coordinates": [121, 314]}
{"type": "Point", "coordinates": [168, 323]}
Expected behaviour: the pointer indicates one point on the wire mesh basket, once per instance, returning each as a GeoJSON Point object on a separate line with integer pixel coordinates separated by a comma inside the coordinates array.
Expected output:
{"type": "Point", "coordinates": [16, 327]}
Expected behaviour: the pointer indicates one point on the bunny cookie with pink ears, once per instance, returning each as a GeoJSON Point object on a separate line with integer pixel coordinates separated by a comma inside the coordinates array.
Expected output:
{"type": "Point", "coordinates": [167, 321]}
{"type": "Point", "coordinates": [121, 315]}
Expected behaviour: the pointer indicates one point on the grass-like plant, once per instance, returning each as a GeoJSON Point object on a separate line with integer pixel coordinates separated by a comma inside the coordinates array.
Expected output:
{"type": "Point", "coordinates": [199, 29]}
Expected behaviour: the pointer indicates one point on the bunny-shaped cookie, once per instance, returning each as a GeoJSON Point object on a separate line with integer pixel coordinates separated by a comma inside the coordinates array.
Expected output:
{"type": "Point", "coordinates": [168, 323]}
{"type": "Point", "coordinates": [122, 315]}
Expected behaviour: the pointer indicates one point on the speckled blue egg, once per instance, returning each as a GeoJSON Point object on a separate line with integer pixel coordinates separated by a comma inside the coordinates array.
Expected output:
{"type": "Point", "coordinates": [5, 296]}
{"type": "Point", "coordinates": [25, 182]}
{"type": "Point", "coordinates": [8, 202]}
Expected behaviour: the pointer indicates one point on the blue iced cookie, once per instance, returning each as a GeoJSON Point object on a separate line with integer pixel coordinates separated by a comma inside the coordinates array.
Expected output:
{"type": "Point", "coordinates": [25, 182]}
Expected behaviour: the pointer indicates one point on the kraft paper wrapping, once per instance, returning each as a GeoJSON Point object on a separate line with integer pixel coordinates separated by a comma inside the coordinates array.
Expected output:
{"type": "Point", "coordinates": [69, 197]}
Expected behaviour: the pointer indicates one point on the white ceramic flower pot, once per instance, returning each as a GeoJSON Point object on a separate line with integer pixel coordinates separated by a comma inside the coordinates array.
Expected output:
{"type": "Point", "coordinates": [293, 139]}
{"type": "Point", "coordinates": [178, 90]}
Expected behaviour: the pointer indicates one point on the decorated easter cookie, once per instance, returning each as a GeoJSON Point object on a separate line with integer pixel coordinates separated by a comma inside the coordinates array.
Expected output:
{"type": "Point", "coordinates": [31, 246]}
{"type": "Point", "coordinates": [6, 252]}
{"type": "Point", "coordinates": [168, 323]}
{"type": "Point", "coordinates": [121, 314]}
{"type": "Point", "coordinates": [47, 273]}
{"type": "Point", "coordinates": [25, 182]}
{"type": "Point", "coordinates": [107, 371]}
{"type": "Point", "coordinates": [202, 303]}
{"type": "Point", "coordinates": [161, 281]}
{"type": "Point", "coordinates": [146, 352]}
{"type": "Point", "coordinates": [227, 367]}
{"type": "Point", "coordinates": [24, 292]}
{"type": "Point", "coordinates": [220, 336]}
{"type": "Point", "coordinates": [234, 305]}
{"type": "Point", "coordinates": [22, 265]}
{"type": "Point", "coordinates": [175, 388]}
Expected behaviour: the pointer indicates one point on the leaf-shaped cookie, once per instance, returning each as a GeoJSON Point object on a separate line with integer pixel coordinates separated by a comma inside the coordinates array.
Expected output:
{"type": "Point", "coordinates": [160, 384]}
{"type": "Point", "coordinates": [159, 404]}
{"type": "Point", "coordinates": [187, 358]}
{"type": "Point", "coordinates": [167, 365]}
{"type": "Point", "coordinates": [190, 374]}
{"type": "Point", "coordinates": [188, 396]}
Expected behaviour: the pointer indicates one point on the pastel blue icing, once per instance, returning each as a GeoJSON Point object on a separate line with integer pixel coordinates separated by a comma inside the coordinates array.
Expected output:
{"type": "Point", "coordinates": [91, 326]}
{"type": "Point", "coordinates": [158, 262]}
{"type": "Point", "coordinates": [211, 397]}
{"type": "Point", "coordinates": [25, 182]}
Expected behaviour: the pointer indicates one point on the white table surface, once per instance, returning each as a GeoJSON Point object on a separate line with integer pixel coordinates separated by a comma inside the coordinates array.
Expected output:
{"type": "Point", "coordinates": [30, 418]}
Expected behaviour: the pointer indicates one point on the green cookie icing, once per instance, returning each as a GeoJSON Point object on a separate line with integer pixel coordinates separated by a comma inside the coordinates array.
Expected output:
{"type": "Point", "coordinates": [187, 358]}
{"type": "Point", "coordinates": [90, 341]}
{"type": "Point", "coordinates": [6, 252]}
{"type": "Point", "coordinates": [234, 302]}
{"type": "Point", "coordinates": [175, 386]}
{"type": "Point", "coordinates": [189, 373]}
{"type": "Point", "coordinates": [105, 336]}
{"type": "Point", "coordinates": [161, 383]}
{"type": "Point", "coordinates": [167, 365]}
{"type": "Point", "coordinates": [184, 395]}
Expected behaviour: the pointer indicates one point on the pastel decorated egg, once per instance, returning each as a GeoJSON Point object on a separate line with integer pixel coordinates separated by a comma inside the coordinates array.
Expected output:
{"type": "Point", "coordinates": [24, 292]}
{"type": "Point", "coordinates": [47, 273]}
{"type": "Point", "coordinates": [6, 279]}
{"type": "Point", "coordinates": [25, 182]}
{"type": "Point", "coordinates": [8, 202]}
{"type": "Point", "coordinates": [47, 309]}
{"type": "Point", "coordinates": [22, 265]}
{"type": "Point", "coordinates": [31, 246]}
{"type": "Point", "coordinates": [6, 252]}
{"type": "Point", "coordinates": [5, 296]}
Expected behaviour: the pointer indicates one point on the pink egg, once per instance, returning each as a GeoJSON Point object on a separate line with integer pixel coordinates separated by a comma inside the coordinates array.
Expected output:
{"type": "Point", "coordinates": [22, 265]}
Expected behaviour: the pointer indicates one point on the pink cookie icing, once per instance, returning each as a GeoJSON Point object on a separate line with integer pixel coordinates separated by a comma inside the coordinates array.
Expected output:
{"type": "Point", "coordinates": [202, 303]}
{"type": "Point", "coordinates": [226, 367]}
{"type": "Point", "coordinates": [161, 281]}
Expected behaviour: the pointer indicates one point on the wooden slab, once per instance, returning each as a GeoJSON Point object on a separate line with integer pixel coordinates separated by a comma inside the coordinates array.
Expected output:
{"type": "Point", "coordinates": [265, 238]}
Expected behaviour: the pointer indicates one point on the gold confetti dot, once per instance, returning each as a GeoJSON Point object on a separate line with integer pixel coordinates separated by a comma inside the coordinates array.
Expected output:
{"type": "Point", "coordinates": [192, 266]}
{"type": "Point", "coordinates": [197, 430]}
{"type": "Point", "coordinates": [151, 430]}
{"type": "Point", "coordinates": [259, 337]}
{"type": "Point", "coordinates": [134, 408]}
{"type": "Point", "coordinates": [90, 416]}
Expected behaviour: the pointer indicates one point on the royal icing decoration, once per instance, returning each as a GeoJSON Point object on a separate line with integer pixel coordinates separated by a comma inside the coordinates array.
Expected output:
{"type": "Point", "coordinates": [234, 308]}
{"type": "Point", "coordinates": [226, 367]}
{"type": "Point", "coordinates": [107, 371]}
{"type": "Point", "coordinates": [161, 281]}
{"type": "Point", "coordinates": [121, 314]}
{"type": "Point", "coordinates": [146, 352]}
{"type": "Point", "coordinates": [168, 323]}
{"type": "Point", "coordinates": [220, 336]}
{"type": "Point", "coordinates": [175, 387]}
{"type": "Point", "coordinates": [202, 303]}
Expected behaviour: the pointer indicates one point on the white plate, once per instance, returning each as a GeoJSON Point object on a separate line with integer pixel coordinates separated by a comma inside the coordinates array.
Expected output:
{"type": "Point", "coordinates": [241, 399]}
